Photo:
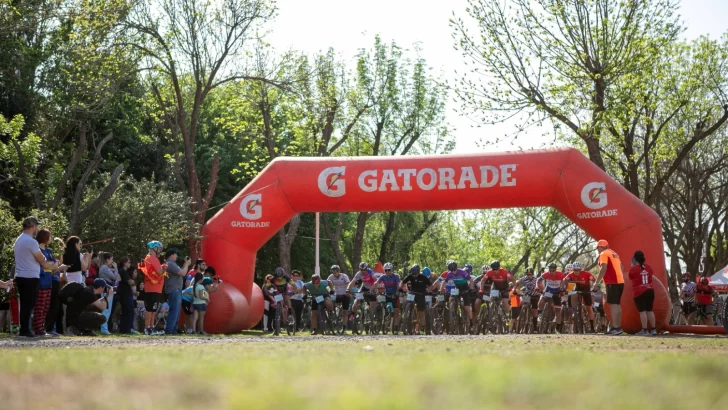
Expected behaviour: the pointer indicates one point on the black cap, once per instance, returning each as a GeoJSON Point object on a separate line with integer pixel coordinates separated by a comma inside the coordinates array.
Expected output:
{"type": "Point", "coordinates": [170, 252]}
{"type": "Point", "coordinates": [30, 222]}
{"type": "Point", "coordinates": [99, 283]}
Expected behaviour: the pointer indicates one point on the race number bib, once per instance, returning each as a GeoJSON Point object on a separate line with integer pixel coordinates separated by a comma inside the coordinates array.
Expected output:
{"type": "Point", "coordinates": [359, 296]}
{"type": "Point", "coordinates": [596, 304]}
{"type": "Point", "coordinates": [455, 292]}
{"type": "Point", "coordinates": [440, 298]}
{"type": "Point", "coordinates": [486, 298]}
{"type": "Point", "coordinates": [572, 293]}
{"type": "Point", "coordinates": [410, 297]}
{"type": "Point", "coordinates": [428, 299]}
{"type": "Point", "coordinates": [548, 295]}
{"type": "Point", "coordinates": [381, 298]}
{"type": "Point", "coordinates": [278, 298]}
{"type": "Point", "coordinates": [319, 299]}
{"type": "Point", "coordinates": [494, 293]}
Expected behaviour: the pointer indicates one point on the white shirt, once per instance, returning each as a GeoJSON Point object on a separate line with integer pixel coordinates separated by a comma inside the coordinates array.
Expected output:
{"type": "Point", "coordinates": [25, 264]}
{"type": "Point", "coordinates": [339, 284]}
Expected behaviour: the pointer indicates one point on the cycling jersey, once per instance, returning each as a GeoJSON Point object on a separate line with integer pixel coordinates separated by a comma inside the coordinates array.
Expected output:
{"type": "Point", "coordinates": [281, 282]}
{"type": "Point", "coordinates": [552, 281]}
{"type": "Point", "coordinates": [458, 279]}
{"type": "Point", "coordinates": [419, 283]}
{"type": "Point", "coordinates": [317, 291]}
{"type": "Point", "coordinates": [367, 279]}
{"type": "Point", "coordinates": [582, 279]}
{"type": "Point", "coordinates": [530, 285]}
{"type": "Point", "coordinates": [705, 294]}
{"type": "Point", "coordinates": [499, 278]}
{"type": "Point", "coordinates": [390, 282]}
{"type": "Point", "coordinates": [340, 284]}
{"type": "Point", "coordinates": [641, 277]}
{"type": "Point", "coordinates": [689, 290]}
{"type": "Point", "coordinates": [613, 274]}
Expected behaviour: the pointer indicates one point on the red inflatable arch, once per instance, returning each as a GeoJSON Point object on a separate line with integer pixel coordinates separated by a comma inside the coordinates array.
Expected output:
{"type": "Point", "coordinates": [561, 178]}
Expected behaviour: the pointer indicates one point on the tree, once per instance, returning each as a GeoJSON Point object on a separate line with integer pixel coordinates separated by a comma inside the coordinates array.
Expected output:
{"type": "Point", "coordinates": [609, 74]}
{"type": "Point", "coordinates": [192, 47]}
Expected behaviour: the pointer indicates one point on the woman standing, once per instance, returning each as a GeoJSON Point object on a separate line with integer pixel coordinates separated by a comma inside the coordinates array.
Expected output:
{"type": "Point", "coordinates": [54, 318]}
{"type": "Point", "coordinates": [126, 296]}
{"type": "Point", "coordinates": [109, 274]}
{"type": "Point", "coordinates": [77, 262]}
{"type": "Point", "coordinates": [43, 303]}
{"type": "Point", "coordinates": [644, 294]}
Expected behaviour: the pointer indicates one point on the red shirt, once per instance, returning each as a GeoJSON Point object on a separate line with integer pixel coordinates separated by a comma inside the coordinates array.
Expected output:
{"type": "Point", "coordinates": [500, 278]}
{"type": "Point", "coordinates": [552, 281]}
{"type": "Point", "coordinates": [704, 294]}
{"type": "Point", "coordinates": [582, 279]}
{"type": "Point", "coordinates": [641, 277]}
{"type": "Point", "coordinates": [154, 281]}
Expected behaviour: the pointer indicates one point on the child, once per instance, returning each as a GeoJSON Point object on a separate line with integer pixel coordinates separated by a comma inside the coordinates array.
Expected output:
{"type": "Point", "coordinates": [200, 300]}
{"type": "Point", "coordinates": [187, 308]}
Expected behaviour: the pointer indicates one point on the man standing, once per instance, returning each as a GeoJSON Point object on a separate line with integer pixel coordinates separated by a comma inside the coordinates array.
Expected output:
{"type": "Point", "coordinates": [83, 314]}
{"type": "Point", "coordinates": [610, 269]}
{"type": "Point", "coordinates": [173, 288]}
{"type": "Point", "coordinates": [28, 262]}
{"type": "Point", "coordinates": [154, 274]}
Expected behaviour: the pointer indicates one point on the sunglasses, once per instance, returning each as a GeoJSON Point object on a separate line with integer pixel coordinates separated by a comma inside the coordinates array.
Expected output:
{"type": "Point", "coordinates": [388, 270]}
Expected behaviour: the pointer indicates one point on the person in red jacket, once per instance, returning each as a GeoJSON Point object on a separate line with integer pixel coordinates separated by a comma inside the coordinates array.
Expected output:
{"type": "Point", "coordinates": [704, 295]}
{"type": "Point", "coordinates": [644, 294]}
{"type": "Point", "coordinates": [154, 273]}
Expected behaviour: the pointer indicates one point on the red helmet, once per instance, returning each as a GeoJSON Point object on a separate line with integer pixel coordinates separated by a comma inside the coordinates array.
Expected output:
{"type": "Point", "coordinates": [685, 277]}
{"type": "Point", "coordinates": [705, 280]}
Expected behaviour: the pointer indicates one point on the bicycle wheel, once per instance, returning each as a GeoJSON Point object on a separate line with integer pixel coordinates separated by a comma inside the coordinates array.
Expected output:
{"type": "Point", "coordinates": [291, 323]}
{"type": "Point", "coordinates": [386, 321]}
{"type": "Point", "coordinates": [438, 319]}
{"type": "Point", "coordinates": [482, 325]}
{"type": "Point", "coordinates": [725, 316]}
{"type": "Point", "coordinates": [428, 321]}
{"type": "Point", "coordinates": [494, 318]}
{"type": "Point", "coordinates": [546, 318]}
{"type": "Point", "coordinates": [377, 317]}
{"type": "Point", "coordinates": [409, 326]}
{"type": "Point", "coordinates": [578, 325]}
{"type": "Point", "coordinates": [523, 319]}
{"type": "Point", "coordinates": [306, 317]}
{"type": "Point", "coordinates": [277, 321]}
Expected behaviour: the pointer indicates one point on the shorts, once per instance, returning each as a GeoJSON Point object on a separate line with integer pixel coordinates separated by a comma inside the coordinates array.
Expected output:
{"type": "Point", "coordinates": [556, 297]}
{"type": "Point", "coordinates": [464, 294]}
{"type": "Point", "coordinates": [344, 300]}
{"type": "Point", "coordinates": [614, 293]}
{"type": "Point", "coordinates": [586, 298]}
{"type": "Point", "coordinates": [688, 308]}
{"type": "Point", "coordinates": [314, 304]}
{"type": "Point", "coordinates": [704, 309]}
{"type": "Point", "coordinates": [394, 299]}
{"type": "Point", "coordinates": [200, 307]}
{"type": "Point", "coordinates": [152, 301]}
{"type": "Point", "coordinates": [515, 312]}
{"type": "Point", "coordinates": [420, 302]}
{"type": "Point", "coordinates": [534, 301]}
{"type": "Point", "coordinates": [644, 301]}
{"type": "Point", "coordinates": [187, 307]}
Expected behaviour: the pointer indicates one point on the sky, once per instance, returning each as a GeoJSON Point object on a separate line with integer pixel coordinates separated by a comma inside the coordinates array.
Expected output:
{"type": "Point", "coordinates": [311, 26]}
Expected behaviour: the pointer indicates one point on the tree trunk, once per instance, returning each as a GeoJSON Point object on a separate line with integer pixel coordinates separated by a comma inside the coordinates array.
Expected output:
{"type": "Point", "coordinates": [387, 237]}
{"type": "Point", "coordinates": [361, 224]}
{"type": "Point", "coordinates": [334, 240]}
{"type": "Point", "coordinates": [285, 241]}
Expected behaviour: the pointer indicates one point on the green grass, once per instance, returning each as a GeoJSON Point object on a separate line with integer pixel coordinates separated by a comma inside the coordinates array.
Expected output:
{"type": "Point", "coordinates": [577, 372]}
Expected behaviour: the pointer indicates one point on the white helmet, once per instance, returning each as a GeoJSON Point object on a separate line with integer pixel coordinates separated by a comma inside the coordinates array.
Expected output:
{"type": "Point", "coordinates": [576, 266]}
{"type": "Point", "coordinates": [569, 268]}
{"type": "Point", "coordinates": [388, 266]}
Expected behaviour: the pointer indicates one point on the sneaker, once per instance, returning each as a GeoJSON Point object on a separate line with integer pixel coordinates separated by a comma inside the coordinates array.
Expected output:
{"type": "Point", "coordinates": [148, 331]}
{"type": "Point", "coordinates": [313, 332]}
{"type": "Point", "coordinates": [27, 334]}
{"type": "Point", "coordinates": [616, 331]}
{"type": "Point", "coordinates": [54, 334]}
{"type": "Point", "coordinates": [134, 332]}
{"type": "Point", "coordinates": [642, 332]}
{"type": "Point", "coordinates": [105, 333]}
{"type": "Point", "coordinates": [158, 332]}
{"type": "Point", "coordinates": [653, 332]}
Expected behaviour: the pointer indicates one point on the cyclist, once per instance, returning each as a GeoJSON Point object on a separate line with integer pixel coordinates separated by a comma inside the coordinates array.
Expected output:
{"type": "Point", "coordinates": [705, 294]}
{"type": "Point", "coordinates": [501, 280]}
{"type": "Point", "coordinates": [687, 296]}
{"type": "Point", "coordinates": [552, 281]}
{"type": "Point", "coordinates": [365, 278]}
{"type": "Point", "coordinates": [420, 285]}
{"type": "Point", "coordinates": [583, 281]}
{"type": "Point", "coordinates": [427, 272]}
{"type": "Point", "coordinates": [283, 284]}
{"type": "Point", "coordinates": [391, 283]}
{"type": "Point", "coordinates": [460, 279]}
{"type": "Point", "coordinates": [529, 282]}
{"type": "Point", "coordinates": [317, 287]}
{"type": "Point", "coordinates": [340, 282]}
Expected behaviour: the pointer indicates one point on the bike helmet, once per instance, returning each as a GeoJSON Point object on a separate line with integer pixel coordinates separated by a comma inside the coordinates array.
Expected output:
{"type": "Point", "coordinates": [569, 268]}
{"type": "Point", "coordinates": [452, 265]}
{"type": "Point", "coordinates": [316, 278]}
{"type": "Point", "coordinates": [388, 266]}
{"type": "Point", "coordinates": [495, 265]}
{"type": "Point", "coordinates": [485, 268]}
{"type": "Point", "coordinates": [155, 244]}
{"type": "Point", "coordinates": [469, 268]}
{"type": "Point", "coordinates": [279, 272]}
{"type": "Point", "coordinates": [552, 265]}
{"type": "Point", "coordinates": [335, 268]}
{"type": "Point", "coordinates": [529, 270]}
{"type": "Point", "coordinates": [576, 266]}
{"type": "Point", "coordinates": [427, 272]}
{"type": "Point", "coordinates": [415, 268]}
{"type": "Point", "coordinates": [363, 266]}
{"type": "Point", "coordinates": [685, 277]}
{"type": "Point", "coordinates": [705, 281]}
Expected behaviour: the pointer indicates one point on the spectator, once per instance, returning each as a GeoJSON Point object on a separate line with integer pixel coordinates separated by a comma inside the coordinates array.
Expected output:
{"type": "Point", "coordinates": [200, 300]}
{"type": "Point", "coordinates": [55, 303]}
{"type": "Point", "coordinates": [297, 298]}
{"type": "Point", "coordinates": [141, 311]}
{"type": "Point", "coordinates": [200, 266]}
{"type": "Point", "coordinates": [28, 262]}
{"type": "Point", "coordinates": [687, 295]}
{"type": "Point", "coordinates": [126, 296]}
{"type": "Point", "coordinates": [173, 286]}
{"type": "Point", "coordinates": [610, 269]}
{"type": "Point", "coordinates": [93, 269]}
{"type": "Point", "coordinates": [83, 314]}
{"type": "Point", "coordinates": [77, 262]}
{"type": "Point", "coordinates": [110, 274]}
{"type": "Point", "coordinates": [153, 283]}
{"type": "Point", "coordinates": [45, 284]}
{"type": "Point", "coordinates": [269, 303]}
{"type": "Point", "coordinates": [644, 294]}
{"type": "Point", "coordinates": [5, 317]}
{"type": "Point", "coordinates": [189, 311]}
{"type": "Point", "coordinates": [212, 274]}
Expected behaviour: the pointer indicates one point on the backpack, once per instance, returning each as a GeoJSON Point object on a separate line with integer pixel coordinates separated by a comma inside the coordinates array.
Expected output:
{"type": "Point", "coordinates": [69, 292]}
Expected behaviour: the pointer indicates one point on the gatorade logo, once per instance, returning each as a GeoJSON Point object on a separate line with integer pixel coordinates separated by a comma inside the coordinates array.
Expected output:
{"type": "Point", "coordinates": [331, 182]}
{"type": "Point", "coordinates": [250, 207]}
{"type": "Point", "coordinates": [593, 195]}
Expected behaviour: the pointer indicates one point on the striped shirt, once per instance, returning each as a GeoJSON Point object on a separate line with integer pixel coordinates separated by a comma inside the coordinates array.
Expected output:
{"type": "Point", "coordinates": [689, 289]}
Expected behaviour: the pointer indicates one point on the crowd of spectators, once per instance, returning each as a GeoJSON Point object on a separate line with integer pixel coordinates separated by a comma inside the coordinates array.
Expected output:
{"type": "Point", "coordinates": [84, 292]}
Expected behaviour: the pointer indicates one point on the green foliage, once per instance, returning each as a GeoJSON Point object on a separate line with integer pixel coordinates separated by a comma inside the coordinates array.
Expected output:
{"type": "Point", "coordinates": [139, 212]}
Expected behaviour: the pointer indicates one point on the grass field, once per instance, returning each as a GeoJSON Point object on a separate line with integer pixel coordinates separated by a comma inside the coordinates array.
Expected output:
{"type": "Point", "coordinates": [249, 372]}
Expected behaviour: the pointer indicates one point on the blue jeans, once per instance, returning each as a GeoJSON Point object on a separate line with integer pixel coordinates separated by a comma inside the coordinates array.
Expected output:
{"type": "Point", "coordinates": [107, 313]}
{"type": "Point", "coordinates": [174, 299]}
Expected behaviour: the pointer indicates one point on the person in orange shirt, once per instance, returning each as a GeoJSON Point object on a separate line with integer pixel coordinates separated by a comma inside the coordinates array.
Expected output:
{"type": "Point", "coordinates": [610, 269]}
{"type": "Point", "coordinates": [154, 273]}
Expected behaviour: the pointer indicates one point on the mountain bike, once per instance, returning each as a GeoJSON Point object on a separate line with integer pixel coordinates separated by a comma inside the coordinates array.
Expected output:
{"type": "Point", "coordinates": [483, 322]}
{"type": "Point", "coordinates": [383, 315]}
{"type": "Point", "coordinates": [439, 313]}
{"type": "Point", "coordinates": [546, 324]}
{"type": "Point", "coordinates": [458, 320]}
{"type": "Point", "coordinates": [497, 315]}
{"type": "Point", "coordinates": [290, 318]}
{"type": "Point", "coordinates": [325, 321]}
{"type": "Point", "coordinates": [411, 314]}
{"type": "Point", "coordinates": [580, 314]}
{"type": "Point", "coordinates": [363, 317]}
